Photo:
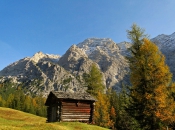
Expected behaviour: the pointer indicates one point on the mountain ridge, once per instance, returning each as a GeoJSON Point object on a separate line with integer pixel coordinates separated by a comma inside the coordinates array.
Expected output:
{"type": "Point", "coordinates": [50, 72]}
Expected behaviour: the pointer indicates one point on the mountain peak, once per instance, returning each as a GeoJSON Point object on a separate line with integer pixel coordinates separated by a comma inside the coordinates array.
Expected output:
{"type": "Point", "coordinates": [66, 73]}
{"type": "Point", "coordinates": [73, 52]}
{"type": "Point", "coordinates": [105, 45]}
{"type": "Point", "coordinates": [41, 56]}
{"type": "Point", "coordinates": [37, 56]}
{"type": "Point", "coordinates": [93, 42]}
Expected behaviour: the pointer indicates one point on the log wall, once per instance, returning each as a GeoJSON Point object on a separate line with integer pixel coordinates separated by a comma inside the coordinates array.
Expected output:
{"type": "Point", "coordinates": [76, 111]}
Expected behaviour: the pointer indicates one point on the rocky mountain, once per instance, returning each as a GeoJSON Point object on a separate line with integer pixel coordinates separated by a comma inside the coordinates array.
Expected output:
{"type": "Point", "coordinates": [40, 74]}
{"type": "Point", "coordinates": [43, 73]}
{"type": "Point", "coordinates": [108, 55]}
{"type": "Point", "coordinates": [75, 61]}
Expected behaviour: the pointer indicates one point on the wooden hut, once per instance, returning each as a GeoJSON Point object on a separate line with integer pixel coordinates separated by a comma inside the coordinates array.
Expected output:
{"type": "Point", "coordinates": [66, 106]}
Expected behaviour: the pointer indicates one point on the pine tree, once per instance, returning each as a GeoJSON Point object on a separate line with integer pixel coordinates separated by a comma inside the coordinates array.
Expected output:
{"type": "Point", "coordinates": [123, 120]}
{"type": "Point", "coordinates": [10, 100]}
{"type": "Point", "coordinates": [136, 35]}
{"type": "Point", "coordinates": [113, 105]}
{"type": "Point", "coordinates": [171, 105]}
{"type": "Point", "coordinates": [101, 114]}
{"type": "Point", "coordinates": [95, 87]}
{"type": "Point", "coordinates": [150, 78]}
{"type": "Point", "coordinates": [2, 102]}
{"type": "Point", "coordinates": [94, 81]}
{"type": "Point", "coordinates": [112, 117]}
{"type": "Point", "coordinates": [27, 104]}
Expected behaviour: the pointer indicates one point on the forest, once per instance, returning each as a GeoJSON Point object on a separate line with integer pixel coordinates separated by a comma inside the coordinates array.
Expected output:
{"type": "Point", "coordinates": [147, 103]}
{"type": "Point", "coordinates": [12, 96]}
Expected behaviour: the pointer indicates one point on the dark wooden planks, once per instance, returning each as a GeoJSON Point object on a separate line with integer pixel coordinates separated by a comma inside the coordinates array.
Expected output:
{"type": "Point", "coordinates": [76, 111]}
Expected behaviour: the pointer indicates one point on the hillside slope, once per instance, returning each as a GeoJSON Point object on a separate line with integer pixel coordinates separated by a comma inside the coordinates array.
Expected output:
{"type": "Point", "coordinates": [17, 120]}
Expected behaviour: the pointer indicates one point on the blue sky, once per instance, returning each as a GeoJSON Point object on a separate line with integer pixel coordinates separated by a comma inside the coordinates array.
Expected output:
{"type": "Point", "coordinates": [52, 26]}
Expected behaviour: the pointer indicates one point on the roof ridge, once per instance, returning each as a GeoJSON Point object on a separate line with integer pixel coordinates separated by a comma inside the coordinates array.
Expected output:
{"type": "Point", "coordinates": [75, 96]}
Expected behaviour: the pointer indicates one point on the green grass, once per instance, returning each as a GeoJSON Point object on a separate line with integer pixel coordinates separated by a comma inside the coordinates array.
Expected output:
{"type": "Point", "coordinates": [17, 120]}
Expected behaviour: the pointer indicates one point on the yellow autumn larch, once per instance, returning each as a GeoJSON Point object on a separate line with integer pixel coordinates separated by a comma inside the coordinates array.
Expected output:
{"type": "Point", "coordinates": [151, 79]}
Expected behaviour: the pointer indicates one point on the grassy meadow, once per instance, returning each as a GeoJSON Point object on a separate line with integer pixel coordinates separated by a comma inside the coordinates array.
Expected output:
{"type": "Point", "coordinates": [17, 120]}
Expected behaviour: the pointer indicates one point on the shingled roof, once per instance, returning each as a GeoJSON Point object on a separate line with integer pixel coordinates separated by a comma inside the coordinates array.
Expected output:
{"type": "Point", "coordinates": [75, 95]}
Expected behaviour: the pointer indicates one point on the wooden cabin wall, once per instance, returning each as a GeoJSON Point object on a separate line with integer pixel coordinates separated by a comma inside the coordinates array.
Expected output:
{"type": "Point", "coordinates": [76, 111]}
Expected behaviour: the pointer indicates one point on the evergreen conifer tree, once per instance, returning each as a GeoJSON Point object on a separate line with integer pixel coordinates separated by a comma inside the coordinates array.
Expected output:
{"type": "Point", "coordinates": [150, 78]}
{"type": "Point", "coordinates": [94, 81]}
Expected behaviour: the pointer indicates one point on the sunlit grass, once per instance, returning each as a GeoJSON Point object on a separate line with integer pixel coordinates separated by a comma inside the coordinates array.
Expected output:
{"type": "Point", "coordinates": [17, 120]}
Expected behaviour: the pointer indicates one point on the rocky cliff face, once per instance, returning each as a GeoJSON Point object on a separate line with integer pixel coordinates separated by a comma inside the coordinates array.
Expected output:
{"type": "Point", "coordinates": [108, 55]}
{"type": "Point", "coordinates": [75, 61]}
{"type": "Point", "coordinates": [43, 73]}
{"type": "Point", "coordinates": [40, 74]}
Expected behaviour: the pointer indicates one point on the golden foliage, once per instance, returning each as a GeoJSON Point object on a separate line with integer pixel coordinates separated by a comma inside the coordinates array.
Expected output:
{"type": "Point", "coordinates": [151, 78]}
{"type": "Point", "coordinates": [101, 114]}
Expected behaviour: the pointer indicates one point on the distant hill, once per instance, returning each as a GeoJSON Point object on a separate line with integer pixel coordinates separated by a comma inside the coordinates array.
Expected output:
{"type": "Point", "coordinates": [17, 120]}
{"type": "Point", "coordinates": [43, 73]}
